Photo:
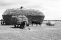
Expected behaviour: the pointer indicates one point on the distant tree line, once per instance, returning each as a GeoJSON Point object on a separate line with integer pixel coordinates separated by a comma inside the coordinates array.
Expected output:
{"type": "Point", "coordinates": [52, 20]}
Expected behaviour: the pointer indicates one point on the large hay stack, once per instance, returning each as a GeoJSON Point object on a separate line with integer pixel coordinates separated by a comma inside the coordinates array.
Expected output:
{"type": "Point", "coordinates": [29, 13]}
{"type": "Point", "coordinates": [22, 12]}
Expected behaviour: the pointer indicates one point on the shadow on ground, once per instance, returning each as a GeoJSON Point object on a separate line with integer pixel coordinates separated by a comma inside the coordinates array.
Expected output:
{"type": "Point", "coordinates": [15, 27]}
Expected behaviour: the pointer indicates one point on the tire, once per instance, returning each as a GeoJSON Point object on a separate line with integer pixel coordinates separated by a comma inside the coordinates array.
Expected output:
{"type": "Point", "coordinates": [2, 23]}
{"type": "Point", "coordinates": [27, 24]}
{"type": "Point", "coordinates": [18, 26]}
{"type": "Point", "coordinates": [52, 25]}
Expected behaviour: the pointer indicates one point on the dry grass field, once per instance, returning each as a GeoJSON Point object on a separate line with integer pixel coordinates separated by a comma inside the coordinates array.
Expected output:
{"type": "Point", "coordinates": [40, 32]}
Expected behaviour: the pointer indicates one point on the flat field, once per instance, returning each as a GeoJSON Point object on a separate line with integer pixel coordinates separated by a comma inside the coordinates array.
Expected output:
{"type": "Point", "coordinates": [39, 32]}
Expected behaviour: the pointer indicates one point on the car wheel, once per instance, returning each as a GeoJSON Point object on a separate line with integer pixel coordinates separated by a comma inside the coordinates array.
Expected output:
{"type": "Point", "coordinates": [15, 26]}
{"type": "Point", "coordinates": [27, 24]}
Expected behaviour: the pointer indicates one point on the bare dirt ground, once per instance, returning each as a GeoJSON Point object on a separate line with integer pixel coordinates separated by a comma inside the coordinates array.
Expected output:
{"type": "Point", "coordinates": [40, 32]}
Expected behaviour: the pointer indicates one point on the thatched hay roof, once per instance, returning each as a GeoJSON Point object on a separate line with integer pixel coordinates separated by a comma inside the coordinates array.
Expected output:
{"type": "Point", "coordinates": [22, 12]}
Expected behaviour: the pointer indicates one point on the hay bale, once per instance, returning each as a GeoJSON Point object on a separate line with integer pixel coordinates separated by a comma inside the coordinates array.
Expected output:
{"type": "Point", "coordinates": [17, 12]}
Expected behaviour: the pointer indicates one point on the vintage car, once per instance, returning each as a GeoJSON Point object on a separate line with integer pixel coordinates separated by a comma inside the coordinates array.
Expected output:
{"type": "Point", "coordinates": [50, 23]}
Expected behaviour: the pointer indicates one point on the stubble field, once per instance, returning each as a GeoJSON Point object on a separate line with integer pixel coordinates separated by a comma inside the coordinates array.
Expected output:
{"type": "Point", "coordinates": [40, 32]}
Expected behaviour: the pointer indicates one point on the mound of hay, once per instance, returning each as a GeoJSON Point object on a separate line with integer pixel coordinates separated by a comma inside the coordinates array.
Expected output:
{"type": "Point", "coordinates": [19, 11]}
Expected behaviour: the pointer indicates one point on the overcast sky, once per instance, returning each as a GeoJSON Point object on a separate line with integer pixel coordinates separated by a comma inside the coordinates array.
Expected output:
{"type": "Point", "coordinates": [50, 8]}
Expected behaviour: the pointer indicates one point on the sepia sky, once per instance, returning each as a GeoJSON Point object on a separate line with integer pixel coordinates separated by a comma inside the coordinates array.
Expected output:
{"type": "Point", "coordinates": [50, 8]}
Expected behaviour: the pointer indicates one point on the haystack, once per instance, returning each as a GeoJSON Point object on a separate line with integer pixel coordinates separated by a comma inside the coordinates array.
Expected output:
{"type": "Point", "coordinates": [31, 14]}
